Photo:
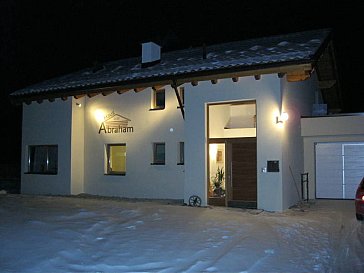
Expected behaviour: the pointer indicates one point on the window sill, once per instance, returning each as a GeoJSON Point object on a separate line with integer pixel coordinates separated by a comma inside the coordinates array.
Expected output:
{"type": "Point", "coordinates": [180, 163]}
{"type": "Point", "coordinates": [117, 174]}
{"type": "Point", "coordinates": [157, 109]}
{"type": "Point", "coordinates": [156, 163]}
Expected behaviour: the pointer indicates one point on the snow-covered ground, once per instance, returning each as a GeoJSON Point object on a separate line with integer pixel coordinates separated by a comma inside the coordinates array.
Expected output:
{"type": "Point", "coordinates": [74, 234]}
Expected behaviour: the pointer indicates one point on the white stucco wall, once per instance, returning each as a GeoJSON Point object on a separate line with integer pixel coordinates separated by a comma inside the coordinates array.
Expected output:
{"type": "Point", "coordinates": [47, 123]}
{"type": "Point", "coordinates": [142, 180]}
{"type": "Point", "coordinates": [298, 99]}
{"type": "Point", "coordinates": [266, 92]}
{"type": "Point", "coordinates": [348, 128]}
{"type": "Point", "coordinates": [77, 146]}
{"type": "Point", "coordinates": [81, 147]}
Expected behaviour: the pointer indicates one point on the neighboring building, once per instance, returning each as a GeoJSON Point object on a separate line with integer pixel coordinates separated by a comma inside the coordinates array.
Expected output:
{"type": "Point", "coordinates": [207, 121]}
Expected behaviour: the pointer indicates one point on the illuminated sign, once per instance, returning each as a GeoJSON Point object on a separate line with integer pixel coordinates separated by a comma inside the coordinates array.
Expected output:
{"type": "Point", "coordinates": [115, 124]}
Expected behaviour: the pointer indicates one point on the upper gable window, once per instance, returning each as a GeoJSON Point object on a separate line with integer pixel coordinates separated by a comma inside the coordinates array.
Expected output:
{"type": "Point", "coordinates": [158, 99]}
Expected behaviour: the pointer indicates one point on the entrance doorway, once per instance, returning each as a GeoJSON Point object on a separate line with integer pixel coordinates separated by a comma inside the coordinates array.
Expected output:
{"type": "Point", "coordinates": [242, 173]}
{"type": "Point", "coordinates": [232, 154]}
{"type": "Point", "coordinates": [233, 173]}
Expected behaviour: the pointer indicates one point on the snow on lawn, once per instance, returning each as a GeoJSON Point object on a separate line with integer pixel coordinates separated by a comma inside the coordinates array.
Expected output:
{"type": "Point", "coordinates": [74, 234]}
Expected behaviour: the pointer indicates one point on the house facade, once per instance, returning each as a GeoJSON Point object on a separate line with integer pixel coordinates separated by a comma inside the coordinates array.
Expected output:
{"type": "Point", "coordinates": [221, 124]}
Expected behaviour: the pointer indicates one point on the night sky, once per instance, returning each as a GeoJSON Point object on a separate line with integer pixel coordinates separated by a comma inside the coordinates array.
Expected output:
{"type": "Point", "coordinates": [44, 39]}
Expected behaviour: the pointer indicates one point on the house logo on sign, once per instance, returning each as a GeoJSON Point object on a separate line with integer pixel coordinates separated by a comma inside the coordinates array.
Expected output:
{"type": "Point", "coordinates": [115, 124]}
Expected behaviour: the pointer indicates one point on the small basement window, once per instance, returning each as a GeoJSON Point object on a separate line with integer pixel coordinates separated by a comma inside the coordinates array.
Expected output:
{"type": "Point", "coordinates": [159, 153]}
{"type": "Point", "coordinates": [158, 99]}
{"type": "Point", "coordinates": [116, 159]}
{"type": "Point", "coordinates": [43, 159]}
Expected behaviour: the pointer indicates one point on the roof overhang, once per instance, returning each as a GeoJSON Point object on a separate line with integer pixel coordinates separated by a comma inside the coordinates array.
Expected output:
{"type": "Point", "coordinates": [293, 72]}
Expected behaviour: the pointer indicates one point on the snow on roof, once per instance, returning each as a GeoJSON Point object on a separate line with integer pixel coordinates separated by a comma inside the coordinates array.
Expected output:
{"type": "Point", "coordinates": [271, 51]}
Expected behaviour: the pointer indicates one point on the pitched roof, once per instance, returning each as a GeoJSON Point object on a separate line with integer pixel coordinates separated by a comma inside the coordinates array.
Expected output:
{"type": "Point", "coordinates": [260, 53]}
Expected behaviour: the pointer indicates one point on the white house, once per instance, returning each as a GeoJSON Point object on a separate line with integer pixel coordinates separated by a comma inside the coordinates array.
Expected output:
{"type": "Point", "coordinates": [221, 122]}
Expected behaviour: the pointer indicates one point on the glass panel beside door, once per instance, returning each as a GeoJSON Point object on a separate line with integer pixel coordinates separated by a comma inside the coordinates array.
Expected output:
{"type": "Point", "coordinates": [216, 174]}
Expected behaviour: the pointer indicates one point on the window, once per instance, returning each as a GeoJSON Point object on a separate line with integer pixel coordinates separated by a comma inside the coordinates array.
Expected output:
{"type": "Point", "coordinates": [181, 153]}
{"type": "Point", "coordinates": [43, 159]}
{"type": "Point", "coordinates": [158, 99]}
{"type": "Point", "coordinates": [116, 159]}
{"type": "Point", "coordinates": [159, 154]}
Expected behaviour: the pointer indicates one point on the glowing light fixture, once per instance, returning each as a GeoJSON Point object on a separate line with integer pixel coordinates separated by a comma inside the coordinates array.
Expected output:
{"type": "Point", "coordinates": [99, 115]}
{"type": "Point", "coordinates": [78, 104]}
{"type": "Point", "coordinates": [213, 151]}
{"type": "Point", "coordinates": [282, 118]}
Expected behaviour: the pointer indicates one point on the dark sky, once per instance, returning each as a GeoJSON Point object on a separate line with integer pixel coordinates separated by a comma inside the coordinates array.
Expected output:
{"type": "Point", "coordinates": [43, 39]}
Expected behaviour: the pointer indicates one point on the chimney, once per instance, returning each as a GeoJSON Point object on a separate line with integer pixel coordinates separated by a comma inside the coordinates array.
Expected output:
{"type": "Point", "coordinates": [151, 54]}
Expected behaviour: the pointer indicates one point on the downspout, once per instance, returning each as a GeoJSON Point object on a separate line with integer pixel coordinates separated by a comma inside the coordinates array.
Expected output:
{"type": "Point", "coordinates": [174, 86]}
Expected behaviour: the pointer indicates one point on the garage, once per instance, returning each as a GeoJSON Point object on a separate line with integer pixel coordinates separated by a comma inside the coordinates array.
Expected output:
{"type": "Point", "coordinates": [339, 169]}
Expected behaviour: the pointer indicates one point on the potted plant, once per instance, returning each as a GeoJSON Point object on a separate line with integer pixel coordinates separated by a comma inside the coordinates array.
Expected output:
{"type": "Point", "coordinates": [217, 181]}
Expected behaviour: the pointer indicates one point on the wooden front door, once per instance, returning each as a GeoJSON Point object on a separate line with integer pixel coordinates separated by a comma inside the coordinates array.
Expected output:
{"type": "Point", "coordinates": [242, 173]}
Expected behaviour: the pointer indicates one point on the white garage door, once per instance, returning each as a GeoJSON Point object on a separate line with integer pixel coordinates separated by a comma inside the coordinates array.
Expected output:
{"type": "Point", "coordinates": [339, 169]}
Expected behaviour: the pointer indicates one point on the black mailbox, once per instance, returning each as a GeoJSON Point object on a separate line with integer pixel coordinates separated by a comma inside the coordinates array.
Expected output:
{"type": "Point", "coordinates": [273, 166]}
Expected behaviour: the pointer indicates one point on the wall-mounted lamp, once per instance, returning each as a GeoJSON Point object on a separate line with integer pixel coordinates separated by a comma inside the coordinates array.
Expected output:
{"type": "Point", "coordinates": [78, 104]}
{"type": "Point", "coordinates": [282, 118]}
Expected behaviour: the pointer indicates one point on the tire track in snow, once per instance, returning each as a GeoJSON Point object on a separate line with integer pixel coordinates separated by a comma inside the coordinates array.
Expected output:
{"type": "Point", "coordinates": [204, 261]}
{"type": "Point", "coordinates": [96, 231]}
{"type": "Point", "coordinates": [348, 255]}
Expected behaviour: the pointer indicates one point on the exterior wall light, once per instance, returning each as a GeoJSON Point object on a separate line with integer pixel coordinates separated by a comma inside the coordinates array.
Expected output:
{"type": "Point", "coordinates": [78, 104]}
{"type": "Point", "coordinates": [282, 118]}
{"type": "Point", "coordinates": [99, 115]}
